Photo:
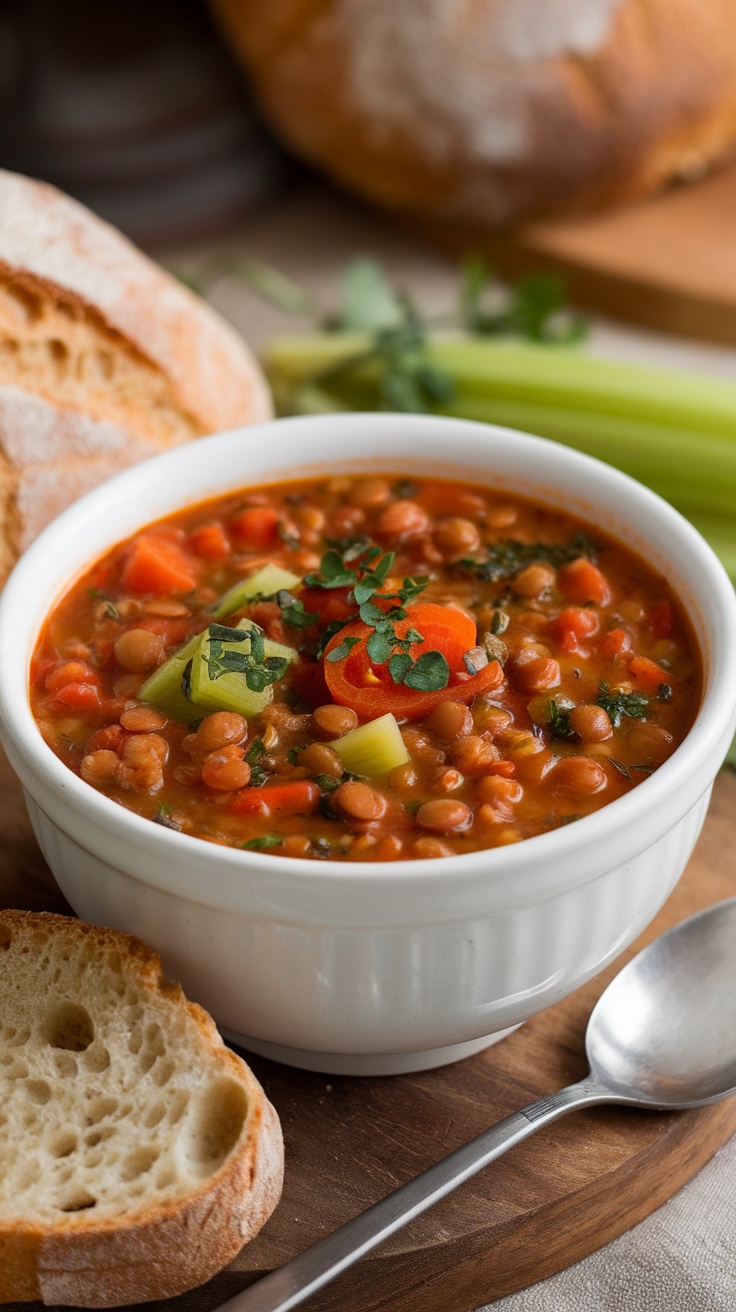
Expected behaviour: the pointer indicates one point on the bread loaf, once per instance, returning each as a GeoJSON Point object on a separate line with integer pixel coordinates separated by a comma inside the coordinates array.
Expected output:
{"type": "Point", "coordinates": [492, 111]}
{"type": "Point", "coordinates": [137, 1153]}
{"type": "Point", "coordinates": [104, 359]}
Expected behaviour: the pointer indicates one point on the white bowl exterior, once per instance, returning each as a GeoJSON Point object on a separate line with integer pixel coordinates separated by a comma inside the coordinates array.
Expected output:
{"type": "Point", "coordinates": [398, 957]}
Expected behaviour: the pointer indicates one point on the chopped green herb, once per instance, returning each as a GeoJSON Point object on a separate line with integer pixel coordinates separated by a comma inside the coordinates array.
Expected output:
{"type": "Point", "coordinates": [293, 612]}
{"type": "Point", "coordinates": [429, 671]}
{"type": "Point", "coordinates": [617, 703]}
{"type": "Point", "coordinates": [507, 557]}
{"type": "Point", "coordinates": [626, 770]}
{"type": "Point", "coordinates": [327, 782]}
{"type": "Point", "coordinates": [262, 843]}
{"type": "Point", "coordinates": [256, 751]}
{"type": "Point", "coordinates": [559, 721]}
{"type": "Point", "coordinates": [259, 670]}
{"type": "Point", "coordinates": [344, 649]}
{"type": "Point", "coordinates": [110, 608]}
{"type": "Point", "coordinates": [404, 489]}
{"type": "Point", "coordinates": [664, 692]}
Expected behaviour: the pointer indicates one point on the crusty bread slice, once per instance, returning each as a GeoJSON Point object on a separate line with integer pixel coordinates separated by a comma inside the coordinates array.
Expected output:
{"type": "Point", "coordinates": [103, 355]}
{"type": "Point", "coordinates": [137, 1153]}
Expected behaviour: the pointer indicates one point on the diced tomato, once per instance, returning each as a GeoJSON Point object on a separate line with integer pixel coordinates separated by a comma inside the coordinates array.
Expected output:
{"type": "Point", "coordinates": [296, 797]}
{"type": "Point", "coordinates": [615, 643]}
{"type": "Point", "coordinates": [572, 625]}
{"type": "Point", "coordinates": [329, 603]}
{"type": "Point", "coordinates": [256, 527]}
{"type": "Point", "coordinates": [210, 541]}
{"type": "Point", "coordinates": [661, 618]}
{"type": "Point", "coordinates": [159, 565]}
{"type": "Point", "coordinates": [70, 672]}
{"type": "Point", "coordinates": [583, 581]}
{"type": "Point", "coordinates": [108, 739]}
{"type": "Point", "coordinates": [80, 696]}
{"type": "Point", "coordinates": [648, 674]}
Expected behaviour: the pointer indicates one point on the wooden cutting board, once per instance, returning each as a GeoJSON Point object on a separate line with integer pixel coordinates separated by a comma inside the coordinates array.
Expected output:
{"type": "Point", "coordinates": [667, 263]}
{"type": "Point", "coordinates": [564, 1193]}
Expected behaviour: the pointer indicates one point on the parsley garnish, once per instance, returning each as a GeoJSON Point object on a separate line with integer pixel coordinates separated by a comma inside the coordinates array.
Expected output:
{"type": "Point", "coordinates": [363, 568]}
{"type": "Point", "coordinates": [259, 670]}
{"type": "Point", "coordinates": [559, 721]}
{"type": "Point", "coordinates": [293, 612]}
{"type": "Point", "coordinates": [507, 557]}
{"type": "Point", "coordinates": [256, 751]}
{"type": "Point", "coordinates": [617, 703]}
{"type": "Point", "coordinates": [263, 843]}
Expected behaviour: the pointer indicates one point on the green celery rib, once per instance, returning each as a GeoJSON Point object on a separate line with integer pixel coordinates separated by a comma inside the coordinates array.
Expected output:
{"type": "Point", "coordinates": [691, 469]}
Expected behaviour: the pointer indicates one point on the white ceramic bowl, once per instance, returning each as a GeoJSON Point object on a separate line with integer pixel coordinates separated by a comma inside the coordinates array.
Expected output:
{"type": "Point", "coordinates": [375, 968]}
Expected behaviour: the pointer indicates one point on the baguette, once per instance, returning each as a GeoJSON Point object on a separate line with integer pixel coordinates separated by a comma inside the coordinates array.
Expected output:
{"type": "Point", "coordinates": [104, 359]}
{"type": "Point", "coordinates": [137, 1153]}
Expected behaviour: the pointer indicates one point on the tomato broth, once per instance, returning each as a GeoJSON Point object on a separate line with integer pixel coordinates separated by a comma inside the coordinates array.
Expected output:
{"type": "Point", "coordinates": [366, 668]}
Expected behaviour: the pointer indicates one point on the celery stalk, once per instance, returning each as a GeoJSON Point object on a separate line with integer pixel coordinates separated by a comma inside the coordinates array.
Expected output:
{"type": "Point", "coordinates": [673, 430]}
{"type": "Point", "coordinates": [373, 748]}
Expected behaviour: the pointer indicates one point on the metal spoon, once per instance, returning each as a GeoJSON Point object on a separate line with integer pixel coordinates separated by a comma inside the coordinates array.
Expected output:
{"type": "Point", "coordinates": [662, 1036]}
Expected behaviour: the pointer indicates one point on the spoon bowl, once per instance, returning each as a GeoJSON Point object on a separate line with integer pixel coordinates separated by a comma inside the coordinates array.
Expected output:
{"type": "Point", "coordinates": [664, 1032]}
{"type": "Point", "coordinates": [662, 1036]}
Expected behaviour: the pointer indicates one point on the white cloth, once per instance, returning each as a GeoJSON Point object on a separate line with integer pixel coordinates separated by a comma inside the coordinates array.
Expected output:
{"type": "Point", "coordinates": [682, 1258]}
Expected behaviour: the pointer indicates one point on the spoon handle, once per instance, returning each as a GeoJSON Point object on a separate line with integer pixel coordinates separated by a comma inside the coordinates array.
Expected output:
{"type": "Point", "coordinates": [289, 1285]}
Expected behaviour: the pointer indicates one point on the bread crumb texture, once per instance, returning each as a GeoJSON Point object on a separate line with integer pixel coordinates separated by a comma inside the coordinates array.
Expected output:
{"type": "Point", "coordinates": [127, 1129]}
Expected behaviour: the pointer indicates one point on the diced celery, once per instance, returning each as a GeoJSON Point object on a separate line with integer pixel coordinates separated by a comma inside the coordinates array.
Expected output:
{"type": "Point", "coordinates": [230, 692]}
{"type": "Point", "coordinates": [264, 583]}
{"type": "Point", "coordinates": [163, 689]}
{"type": "Point", "coordinates": [373, 748]}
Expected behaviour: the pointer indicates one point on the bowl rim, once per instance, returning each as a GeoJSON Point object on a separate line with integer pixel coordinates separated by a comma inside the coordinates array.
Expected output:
{"type": "Point", "coordinates": [586, 836]}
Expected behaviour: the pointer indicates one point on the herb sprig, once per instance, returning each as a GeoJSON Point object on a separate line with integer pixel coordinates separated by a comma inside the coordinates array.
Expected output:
{"type": "Point", "coordinates": [363, 568]}
{"type": "Point", "coordinates": [618, 703]}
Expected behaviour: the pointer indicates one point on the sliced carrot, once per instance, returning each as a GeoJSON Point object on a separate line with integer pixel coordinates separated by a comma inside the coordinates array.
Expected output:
{"type": "Point", "coordinates": [648, 674]}
{"type": "Point", "coordinates": [368, 688]}
{"type": "Point", "coordinates": [257, 527]}
{"type": "Point", "coordinates": [158, 565]}
{"type": "Point", "coordinates": [583, 581]}
{"type": "Point", "coordinates": [296, 797]}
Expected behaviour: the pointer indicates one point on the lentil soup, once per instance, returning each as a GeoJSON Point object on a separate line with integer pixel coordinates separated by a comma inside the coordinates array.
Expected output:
{"type": "Point", "coordinates": [366, 668]}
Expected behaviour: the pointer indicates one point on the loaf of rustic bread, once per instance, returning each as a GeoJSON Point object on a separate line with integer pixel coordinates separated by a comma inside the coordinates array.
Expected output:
{"type": "Point", "coordinates": [104, 359]}
{"type": "Point", "coordinates": [137, 1153]}
{"type": "Point", "coordinates": [491, 111]}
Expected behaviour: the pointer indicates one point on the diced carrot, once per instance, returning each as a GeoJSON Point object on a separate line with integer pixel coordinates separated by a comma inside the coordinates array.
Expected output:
{"type": "Point", "coordinates": [70, 672]}
{"type": "Point", "coordinates": [158, 565]}
{"type": "Point", "coordinates": [661, 618]}
{"type": "Point", "coordinates": [616, 643]}
{"type": "Point", "coordinates": [210, 541]}
{"type": "Point", "coordinates": [582, 581]}
{"type": "Point", "coordinates": [80, 696]}
{"type": "Point", "coordinates": [648, 674]}
{"type": "Point", "coordinates": [297, 797]}
{"type": "Point", "coordinates": [573, 624]}
{"type": "Point", "coordinates": [257, 527]}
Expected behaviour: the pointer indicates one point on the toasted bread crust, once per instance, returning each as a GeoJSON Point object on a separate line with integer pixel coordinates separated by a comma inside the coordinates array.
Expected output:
{"type": "Point", "coordinates": [104, 359]}
{"type": "Point", "coordinates": [156, 1246]}
{"type": "Point", "coordinates": [494, 111]}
